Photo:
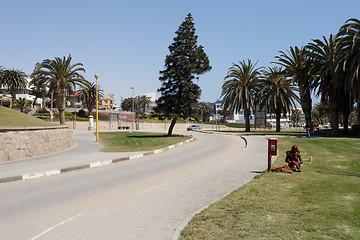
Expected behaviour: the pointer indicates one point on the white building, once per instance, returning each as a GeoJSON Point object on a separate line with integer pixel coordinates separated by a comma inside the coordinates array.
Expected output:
{"type": "Point", "coordinates": [153, 98]}
{"type": "Point", "coordinates": [20, 93]}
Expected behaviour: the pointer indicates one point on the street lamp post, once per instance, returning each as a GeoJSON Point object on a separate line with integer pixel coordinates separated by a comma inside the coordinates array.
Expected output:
{"type": "Point", "coordinates": [97, 108]}
{"type": "Point", "coordinates": [216, 119]}
{"type": "Point", "coordinates": [132, 126]}
{"type": "Point", "coordinates": [51, 106]}
{"type": "Point", "coordinates": [120, 111]}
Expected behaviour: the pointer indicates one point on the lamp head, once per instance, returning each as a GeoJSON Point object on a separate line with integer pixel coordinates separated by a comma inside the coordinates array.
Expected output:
{"type": "Point", "coordinates": [96, 75]}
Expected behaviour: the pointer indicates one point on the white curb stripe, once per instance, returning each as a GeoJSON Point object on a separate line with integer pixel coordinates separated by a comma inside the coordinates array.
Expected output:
{"type": "Point", "coordinates": [136, 156]}
{"type": "Point", "coordinates": [158, 151]}
{"type": "Point", "coordinates": [100, 163]}
{"type": "Point", "coordinates": [40, 174]}
{"type": "Point", "coordinates": [171, 146]}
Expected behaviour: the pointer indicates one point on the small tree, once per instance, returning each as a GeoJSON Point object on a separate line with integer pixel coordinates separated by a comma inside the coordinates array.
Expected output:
{"type": "Point", "coordinates": [22, 104]}
{"type": "Point", "coordinates": [185, 61]}
{"type": "Point", "coordinates": [295, 116]}
{"type": "Point", "coordinates": [144, 102]}
{"type": "Point", "coordinates": [14, 80]}
{"type": "Point", "coordinates": [126, 104]}
{"type": "Point", "coordinates": [204, 109]}
{"type": "Point", "coordinates": [88, 95]}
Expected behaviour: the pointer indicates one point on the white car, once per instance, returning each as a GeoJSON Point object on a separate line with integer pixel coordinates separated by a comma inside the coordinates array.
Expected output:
{"type": "Point", "coordinates": [194, 127]}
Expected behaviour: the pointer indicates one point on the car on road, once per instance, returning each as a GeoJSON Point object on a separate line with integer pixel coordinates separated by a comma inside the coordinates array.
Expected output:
{"type": "Point", "coordinates": [193, 127]}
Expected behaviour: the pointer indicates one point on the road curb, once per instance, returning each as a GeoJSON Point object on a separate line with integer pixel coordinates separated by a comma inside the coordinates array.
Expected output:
{"type": "Point", "coordinates": [34, 175]}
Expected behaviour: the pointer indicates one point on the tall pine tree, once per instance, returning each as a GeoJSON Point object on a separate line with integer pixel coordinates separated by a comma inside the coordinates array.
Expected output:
{"type": "Point", "coordinates": [185, 62]}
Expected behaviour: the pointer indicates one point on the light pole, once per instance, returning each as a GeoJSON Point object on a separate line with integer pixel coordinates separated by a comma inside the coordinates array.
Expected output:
{"type": "Point", "coordinates": [51, 106]}
{"type": "Point", "coordinates": [97, 108]}
{"type": "Point", "coordinates": [132, 126]}
{"type": "Point", "coordinates": [120, 111]}
{"type": "Point", "coordinates": [215, 118]}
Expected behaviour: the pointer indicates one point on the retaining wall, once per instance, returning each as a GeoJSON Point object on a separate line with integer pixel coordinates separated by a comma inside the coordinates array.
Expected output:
{"type": "Point", "coordinates": [23, 142]}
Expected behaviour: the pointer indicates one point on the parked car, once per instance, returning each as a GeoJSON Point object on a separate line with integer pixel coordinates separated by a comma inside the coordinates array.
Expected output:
{"type": "Point", "coordinates": [194, 127]}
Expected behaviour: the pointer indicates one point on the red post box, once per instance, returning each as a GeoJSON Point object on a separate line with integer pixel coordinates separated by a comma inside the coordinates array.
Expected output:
{"type": "Point", "coordinates": [272, 150]}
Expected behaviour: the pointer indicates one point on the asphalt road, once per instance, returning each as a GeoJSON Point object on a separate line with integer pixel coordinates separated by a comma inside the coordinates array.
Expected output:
{"type": "Point", "coordinates": [146, 198]}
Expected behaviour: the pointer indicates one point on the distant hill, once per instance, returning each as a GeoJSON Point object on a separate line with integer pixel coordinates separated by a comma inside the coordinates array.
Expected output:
{"type": "Point", "coordinates": [12, 118]}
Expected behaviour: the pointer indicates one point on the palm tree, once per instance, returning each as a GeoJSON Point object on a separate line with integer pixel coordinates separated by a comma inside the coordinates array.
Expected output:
{"type": "Point", "coordinates": [297, 66]}
{"type": "Point", "coordinates": [38, 89]}
{"type": "Point", "coordinates": [278, 94]}
{"type": "Point", "coordinates": [239, 87]}
{"type": "Point", "coordinates": [1, 75]}
{"type": "Point", "coordinates": [349, 57]}
{"type": "Point", "coordinates": [88, 95]}
{"type": "Point", "coordinates": [321, 113]}
{"type": "Point", "coordinates": [204, 109]}
{"type": "Point", "coordinates": [22, 104]}
{"type": "Point", "coordinates": [324, 55]}
{"type": "Point", "coordinates": [143, 102]}
{"type": "Point", "coordinates": [14, 80]}
{"type": "Point", "coordinates": [60, 75]}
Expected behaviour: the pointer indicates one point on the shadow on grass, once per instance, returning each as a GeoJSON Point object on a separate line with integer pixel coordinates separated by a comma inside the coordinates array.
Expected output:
{"type": "Point", "coordinates": [339, 173]}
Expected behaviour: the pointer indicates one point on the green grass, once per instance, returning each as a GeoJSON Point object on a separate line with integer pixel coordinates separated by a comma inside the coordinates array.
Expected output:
{"type": "Point", "coordinates": [12, 118]}
{"type": "Point", "coordinates": [322, 202]}
{"type": "Point", "coordinates": [136, 141]}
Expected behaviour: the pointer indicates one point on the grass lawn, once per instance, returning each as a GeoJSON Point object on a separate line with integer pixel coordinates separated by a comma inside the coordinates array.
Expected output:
{"type": "Point", "coordinates": [13, 118]}
{"type": "Point", "coordinates": [322, 202]}
{"type": "Point", "coordinates": [273, 132]}
{"type": "Point", "coordinates": [136, 141]}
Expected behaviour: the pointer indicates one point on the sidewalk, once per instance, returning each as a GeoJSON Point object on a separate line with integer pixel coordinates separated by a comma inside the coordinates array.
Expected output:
{"type": "Point", "coordinates": [83, 155]}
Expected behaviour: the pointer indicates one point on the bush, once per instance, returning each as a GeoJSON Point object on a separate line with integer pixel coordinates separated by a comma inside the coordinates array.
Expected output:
{"type": "Point", "coordinates": [42, 111]}
{"type": "Point", "coordinates": [237, 125]}
{"type": "Point", "coordinates": [103, 117]}
{"type": "Point", "coordinates": [81, 113]}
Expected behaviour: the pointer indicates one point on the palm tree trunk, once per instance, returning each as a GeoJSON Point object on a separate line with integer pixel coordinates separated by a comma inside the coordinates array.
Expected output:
{"type": "Point", "coordinates": [13, 94]}
{"type": "Point", "coordinates": [60, 100]}
{"type": "Point", "coordinates": [43, 101]}
{"type": "Point", "coordinates": [90, 110]}
{"type": "Point", "coordinates": [173, 122]}
{"type": "Point", "coordinates": [358, 111]}
{"type": "Point", "coordinates": [247, 119]}
{"type": "Point", "coordinates": [334, 119]}
{"type": "Point", "coordinates": [278, 116]}
{"type": "Point", "coordinates": [346, 122]}
{"type": "Point", "coordinates": [305, 100]}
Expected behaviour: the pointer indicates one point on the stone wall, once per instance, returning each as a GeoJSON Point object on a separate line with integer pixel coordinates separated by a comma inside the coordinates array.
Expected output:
{"type": "Point", "coordinates": [18, 143]}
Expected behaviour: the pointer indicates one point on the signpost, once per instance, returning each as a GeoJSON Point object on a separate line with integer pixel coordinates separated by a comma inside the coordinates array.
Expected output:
{"type": "Point", "coordinates": [272, 150]}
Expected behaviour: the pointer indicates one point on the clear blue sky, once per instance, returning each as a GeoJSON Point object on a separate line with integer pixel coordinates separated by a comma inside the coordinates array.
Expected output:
{"type": "Point", "coordinates": [126, 42]}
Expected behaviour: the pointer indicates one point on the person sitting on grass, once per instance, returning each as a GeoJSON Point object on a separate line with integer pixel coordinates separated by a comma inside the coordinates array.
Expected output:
{"type": "Point", "coordinates": [293, 159]}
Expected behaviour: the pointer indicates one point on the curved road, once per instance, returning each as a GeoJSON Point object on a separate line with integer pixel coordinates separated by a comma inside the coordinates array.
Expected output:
{"type": "Point", "coordinates": [146, 198]}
